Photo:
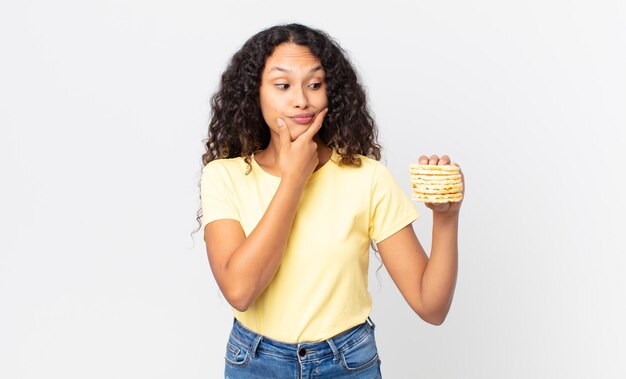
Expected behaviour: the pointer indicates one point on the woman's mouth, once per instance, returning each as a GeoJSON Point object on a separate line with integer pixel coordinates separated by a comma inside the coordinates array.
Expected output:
{"type": "Point", "coordinates": [302, 119]}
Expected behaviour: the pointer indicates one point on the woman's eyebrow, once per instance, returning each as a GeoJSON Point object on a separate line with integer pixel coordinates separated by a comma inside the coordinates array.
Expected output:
{"type": "Point", "coordinates": [277, 68]}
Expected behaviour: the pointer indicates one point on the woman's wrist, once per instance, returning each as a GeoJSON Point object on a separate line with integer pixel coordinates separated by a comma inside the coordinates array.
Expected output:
{"type": "Point", "coordinates": [446, 217]}
{"type": "Point", "coordinates": [293, 182]}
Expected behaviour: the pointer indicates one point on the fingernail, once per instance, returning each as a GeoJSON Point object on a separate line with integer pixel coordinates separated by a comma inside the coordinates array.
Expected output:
{"type": "Point", "coordinates": [280, 122]}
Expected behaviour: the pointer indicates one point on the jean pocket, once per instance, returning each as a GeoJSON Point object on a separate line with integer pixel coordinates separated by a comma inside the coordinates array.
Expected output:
{"type": "Point", "coordinates": [362, 355]}
{"type": "Point", "coordinates": [236, 355]}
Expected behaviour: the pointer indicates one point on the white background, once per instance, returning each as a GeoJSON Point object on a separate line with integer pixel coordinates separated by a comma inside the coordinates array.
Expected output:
{"type": "Point", "coordinates": [103, 108]}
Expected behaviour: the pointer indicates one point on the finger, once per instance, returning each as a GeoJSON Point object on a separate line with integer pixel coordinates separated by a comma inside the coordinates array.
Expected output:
{"type": "Point", "coordinates": [285, 135]}
{"type": "Point", "coordinates": [422, 159]}
{"type": "Point", "coordinates": [444, 160]}
{"type": "Point", "coordinates": [316, 125]}
{"type": "Point", "coordinates": [433, 159]}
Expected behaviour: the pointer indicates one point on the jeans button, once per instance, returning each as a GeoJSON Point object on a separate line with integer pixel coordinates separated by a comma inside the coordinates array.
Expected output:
{"type": "Point", "coordinates": [302, 352]}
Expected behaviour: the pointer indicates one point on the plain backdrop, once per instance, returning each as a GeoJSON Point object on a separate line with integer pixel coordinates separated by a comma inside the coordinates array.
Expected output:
{"type": "Point", "coordinates": [103, 109]}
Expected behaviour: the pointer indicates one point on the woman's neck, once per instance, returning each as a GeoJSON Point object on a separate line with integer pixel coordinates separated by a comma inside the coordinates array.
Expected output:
{"type": "Point", "coordinates": [268, 158]}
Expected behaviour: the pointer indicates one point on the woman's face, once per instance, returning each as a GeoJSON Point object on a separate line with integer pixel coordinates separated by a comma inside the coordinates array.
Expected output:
{"type": "Point", "coordinates": [293, 87]}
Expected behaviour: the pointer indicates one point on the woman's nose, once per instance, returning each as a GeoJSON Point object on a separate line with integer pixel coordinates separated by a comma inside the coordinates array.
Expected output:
{"type": "Point", "coordinates": [300, 99]}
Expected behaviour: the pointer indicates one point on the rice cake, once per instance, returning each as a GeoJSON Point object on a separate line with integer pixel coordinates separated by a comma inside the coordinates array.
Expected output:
{"type": "Point", "coordinates": [436, 183]}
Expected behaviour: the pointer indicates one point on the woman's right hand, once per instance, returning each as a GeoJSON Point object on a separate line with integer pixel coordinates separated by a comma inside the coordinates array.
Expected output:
{"type": "Point", "coordinates": [298, 158]}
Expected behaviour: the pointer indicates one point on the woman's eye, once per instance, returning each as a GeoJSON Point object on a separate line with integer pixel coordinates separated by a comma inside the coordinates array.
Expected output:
{"type": "Point", "coordinates": [286, 86]}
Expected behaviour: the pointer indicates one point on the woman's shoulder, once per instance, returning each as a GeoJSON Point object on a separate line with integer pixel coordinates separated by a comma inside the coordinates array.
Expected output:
{"type": "Point", "coordinates": [225, 164]}
{"type": "Point", "coordinates": [368, 169]}
{"type": "Point", "coordinates": [375, 169]}
{"type": "Point", "coordinates": [366, 163]}
{"type": "Point", "coordinates": [369, 161]}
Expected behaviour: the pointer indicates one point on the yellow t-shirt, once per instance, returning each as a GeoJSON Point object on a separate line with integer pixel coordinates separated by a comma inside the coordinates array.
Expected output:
{"type": "Point", "coordinates": [320, 288]}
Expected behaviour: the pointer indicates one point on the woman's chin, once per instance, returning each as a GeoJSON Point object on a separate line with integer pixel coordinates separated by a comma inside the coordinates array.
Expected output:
{"type": "Point", "coordinates": [297, 131]}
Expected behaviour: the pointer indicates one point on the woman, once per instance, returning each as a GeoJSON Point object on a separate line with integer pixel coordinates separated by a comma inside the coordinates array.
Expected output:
{"type": "Point", "coordinates": [292, 196]}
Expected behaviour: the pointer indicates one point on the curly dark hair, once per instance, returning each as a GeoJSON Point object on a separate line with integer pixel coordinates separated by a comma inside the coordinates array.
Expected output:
{"type": "Point", "coordinates": [237, 127]}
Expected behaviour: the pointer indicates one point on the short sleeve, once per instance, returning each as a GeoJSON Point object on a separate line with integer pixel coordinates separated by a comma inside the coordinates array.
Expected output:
{"type": "Point", "coordinates": [216, 193]}
{"type": "Point", "coordinates": [391, 209]}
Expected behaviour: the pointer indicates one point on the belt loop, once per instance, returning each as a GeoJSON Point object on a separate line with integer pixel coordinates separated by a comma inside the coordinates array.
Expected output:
{"type": "Point", "coordinates": [255, 345]}
{"type": "Point", "coordinates": [369, 320]}
{"type": "Point", "coordinates": [333, 347]}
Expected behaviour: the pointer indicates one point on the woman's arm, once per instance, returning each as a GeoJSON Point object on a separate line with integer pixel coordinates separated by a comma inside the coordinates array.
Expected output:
{"type": "Point", "coordinates": [243, 267]}
{"type": "Point", "coordinates": [427, 284]}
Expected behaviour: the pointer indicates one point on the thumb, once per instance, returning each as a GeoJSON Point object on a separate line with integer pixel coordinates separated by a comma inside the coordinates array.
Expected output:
{"type": "Point", "coordinates": [285, 135]}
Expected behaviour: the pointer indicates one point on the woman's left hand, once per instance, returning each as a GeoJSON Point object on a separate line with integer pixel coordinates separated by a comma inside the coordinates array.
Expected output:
{"type": "Point", "coordinates": [443, 208]}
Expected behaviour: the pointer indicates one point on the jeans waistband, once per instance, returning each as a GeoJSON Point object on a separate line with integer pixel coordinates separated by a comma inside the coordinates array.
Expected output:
{"type": "Point", "coordinates": [303, 351]}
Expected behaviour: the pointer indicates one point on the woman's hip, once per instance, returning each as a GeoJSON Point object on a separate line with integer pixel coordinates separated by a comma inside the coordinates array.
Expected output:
{"type": "Point", "coordinates": [350, 354]}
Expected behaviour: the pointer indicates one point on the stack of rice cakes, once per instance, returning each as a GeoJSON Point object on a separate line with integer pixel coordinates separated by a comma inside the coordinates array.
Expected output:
{"type": "Point", "coordinates": [436, 183]}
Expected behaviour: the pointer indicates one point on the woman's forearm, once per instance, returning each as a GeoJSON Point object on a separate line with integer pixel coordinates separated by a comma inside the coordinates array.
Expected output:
{"type": "Point", "coordinates": [439, 278]}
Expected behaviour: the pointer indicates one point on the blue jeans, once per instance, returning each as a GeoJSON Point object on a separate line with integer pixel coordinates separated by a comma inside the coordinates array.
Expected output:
{"type": "Point", "coordinates": [350, 354]}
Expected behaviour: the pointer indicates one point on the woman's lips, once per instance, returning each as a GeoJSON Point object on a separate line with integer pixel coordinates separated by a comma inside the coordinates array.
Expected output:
{"type": "Point", "coordinates": [302, 120]}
